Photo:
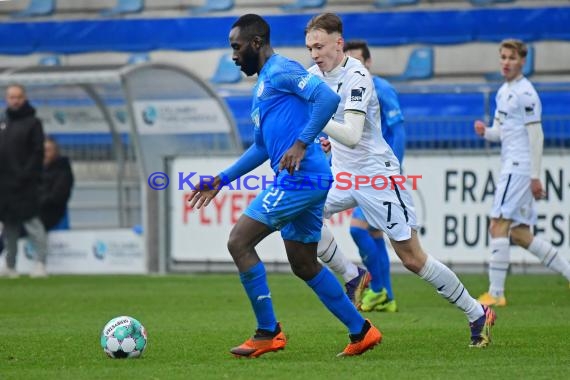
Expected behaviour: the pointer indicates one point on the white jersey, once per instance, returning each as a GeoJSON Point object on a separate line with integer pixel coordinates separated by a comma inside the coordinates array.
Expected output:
{"type": "Point", "coordinates": [518, 105]}
{"type": "Point", "coordinates": [372, 155]}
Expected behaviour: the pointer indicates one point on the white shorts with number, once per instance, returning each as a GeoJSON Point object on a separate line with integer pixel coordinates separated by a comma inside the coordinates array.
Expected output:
{"type": "Point", "coordinates": [514, 200]}
{"type": "Point", "coordinates": [389, 210]}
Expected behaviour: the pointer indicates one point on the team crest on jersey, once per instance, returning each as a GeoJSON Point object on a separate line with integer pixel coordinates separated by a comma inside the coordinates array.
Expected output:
{"type": "Point", "coordinates": [260, 89]}
{"type": "Point", "coordinates": [529, 110]}
{"type": "Point", "coordinates": [356, 94]}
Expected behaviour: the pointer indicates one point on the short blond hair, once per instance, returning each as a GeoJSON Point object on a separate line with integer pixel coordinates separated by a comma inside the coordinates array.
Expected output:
{"type": "Point", "coordinates": [329, 22]}
{"type": "Point", "coordinates": [516, 45]}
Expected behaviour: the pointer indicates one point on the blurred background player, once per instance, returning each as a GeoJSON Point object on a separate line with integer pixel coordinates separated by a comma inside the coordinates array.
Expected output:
{"type": "Point", "coordinates": [358, 148]}
{"type": "Point", "coordinates": [21, 157]}
{"type": "Point", "coordinates": [55, 191]}
{"type": "Point", "coordinates": [517, 126]}
{"type": "Point", "coordinates": [367, 238]}
{"type": "Point", "coordinates": [290, 108]}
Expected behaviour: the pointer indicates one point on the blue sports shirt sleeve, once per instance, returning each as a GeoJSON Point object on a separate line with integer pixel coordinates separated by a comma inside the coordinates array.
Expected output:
{"type": "Point", "coordinates": [254, 156]}
{"type": "Point", "coordinates": [392, 117]}
{"type": "Point", "coordinates": [309, 87]}
{"type": "Point", "coordinates": [388, 98]}
{"type": "Point", "coordinates": [325, 103]}
{"type": "Point", "coordinates": [399, 140]}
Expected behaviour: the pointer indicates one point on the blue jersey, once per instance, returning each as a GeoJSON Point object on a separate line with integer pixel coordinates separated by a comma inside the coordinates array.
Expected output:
{"type": "Point", "coordinates": [279, 118]}
{"type": "Point", "coordinates": [391, 116]}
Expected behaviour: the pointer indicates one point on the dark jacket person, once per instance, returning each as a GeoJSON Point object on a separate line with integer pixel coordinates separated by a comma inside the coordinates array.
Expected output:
{"type": "Point", "coordinates": [21, 159]}
{"type": "Point", "coordinates": [21, 166]}
{"type": "Point", "coordinates": [57, 183]}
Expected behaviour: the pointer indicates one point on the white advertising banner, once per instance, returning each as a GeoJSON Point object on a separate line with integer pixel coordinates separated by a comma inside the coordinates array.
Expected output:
{"type": "Point", "coordinates": [81, 119]}
{"type": "Point", "coordinates": [180, 116]}
{"type": "Point", "coordinates": [118, 251]}
{"type": "Point", "coordinates": [453, 198]}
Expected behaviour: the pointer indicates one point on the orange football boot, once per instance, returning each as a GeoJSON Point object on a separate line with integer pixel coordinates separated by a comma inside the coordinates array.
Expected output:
{"type": "Point", "coordinates": [261, 343]}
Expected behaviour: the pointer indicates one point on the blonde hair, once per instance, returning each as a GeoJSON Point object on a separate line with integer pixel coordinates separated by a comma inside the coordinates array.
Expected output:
{"type": "Point", "coordinates": [516, 45]}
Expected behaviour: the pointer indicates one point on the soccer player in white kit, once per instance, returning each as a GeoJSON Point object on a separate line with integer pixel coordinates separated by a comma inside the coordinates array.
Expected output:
{"type": "Point", "coordinates": [359, 149]}
{"type": "Point", "coordinates": [517, 125]}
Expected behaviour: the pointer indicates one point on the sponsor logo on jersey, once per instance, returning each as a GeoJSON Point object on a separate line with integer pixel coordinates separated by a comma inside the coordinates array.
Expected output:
{"type": "Point", "coordinates": [304, 81]}
{"type": "Point", "coordinates": [358, 72]}
{"type": "Point", "coordinates": [529, 110]}
{"type": "Point", "coordinates": [356, 94]}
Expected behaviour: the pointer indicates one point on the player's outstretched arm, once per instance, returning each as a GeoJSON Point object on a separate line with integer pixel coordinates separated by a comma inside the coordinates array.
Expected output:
{"type": "Point", "coordinates": [253, 157]}
{"type": "Point", "coordinates": [325, 102]}
{"type": "Point", "coordinates": [205, 191]}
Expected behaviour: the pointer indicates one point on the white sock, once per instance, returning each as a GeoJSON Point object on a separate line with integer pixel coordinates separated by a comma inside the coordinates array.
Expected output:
{"type": "Point", "coordinates": [330, 254]}
{"type": "Point", "coordinates": [549, 256]}
{"type": "Point", "coordinates": [449, 287]}
{"type": "Point", "coordinates": [499, 265]}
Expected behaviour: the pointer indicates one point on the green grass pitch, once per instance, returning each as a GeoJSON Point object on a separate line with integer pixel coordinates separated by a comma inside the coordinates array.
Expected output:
{"type": "Point", "coordinates": [49, 329]}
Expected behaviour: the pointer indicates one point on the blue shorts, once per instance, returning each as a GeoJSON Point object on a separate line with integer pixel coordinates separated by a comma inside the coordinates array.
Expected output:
{"type": "Point", "coordinates": [358, 214]}
{"type": "Point", "coordinates": [294, 207]}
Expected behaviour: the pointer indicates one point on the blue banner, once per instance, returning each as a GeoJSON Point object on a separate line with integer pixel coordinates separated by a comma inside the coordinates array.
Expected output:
{"type": "Point", "coordinates": [379, 28]}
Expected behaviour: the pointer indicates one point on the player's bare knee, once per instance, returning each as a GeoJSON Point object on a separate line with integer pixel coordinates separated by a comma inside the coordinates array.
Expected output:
{"type": "Point", "coordinates": [499, 228]}
{"type": "Point", "coordinates": [355, 222]}
{"type": "Point", "coordinates": [412, 263]}
{"type": "Point", "coordinates": [521, 236]}
{"type": "Point", "coordinates": [305, 270]}
{"type": "Point", "coordinates": [236, 244]}
{"type": "Point", "coordinates": [376, 234]}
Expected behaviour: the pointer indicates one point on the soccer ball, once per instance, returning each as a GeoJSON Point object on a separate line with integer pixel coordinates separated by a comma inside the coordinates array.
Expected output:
{"type": "Point", "coordinates": [123, 337]}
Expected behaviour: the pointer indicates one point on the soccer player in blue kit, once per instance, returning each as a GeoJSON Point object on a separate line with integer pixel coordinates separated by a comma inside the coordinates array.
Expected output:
{"type": "Point", "coordinates": [290, 108]}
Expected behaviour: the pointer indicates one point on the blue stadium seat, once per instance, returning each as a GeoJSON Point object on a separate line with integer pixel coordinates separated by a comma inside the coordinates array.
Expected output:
{"type": "Point", "coordinates": [138, 58]}
{"type": "Point", "coordinates": [420, 65]}
{"type": "Point", "coordinates": [304, 4]}
{"type": "Point", "coordinates": [123, 7]}
{"type": "Point", "coordinates": [50, 60]}
{"type": "Point", "coordinates": [394, 3]}
{"type": "Point", "coordinates": [227, 71]}
{"type": "Point", "coordinates": [214, 6]}
{"type": "Point", "coordinates": [490, 2]}
{"type": "Point", "coordinates": [527, 70]}
{"type": "Point", "coordinates": [37, 8]}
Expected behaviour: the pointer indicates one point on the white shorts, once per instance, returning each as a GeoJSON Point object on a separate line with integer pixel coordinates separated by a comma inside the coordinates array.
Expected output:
{"type": "Point", "coordinates": [391, 211]}
{"type": "Point", "coordinates": [514, 200]}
